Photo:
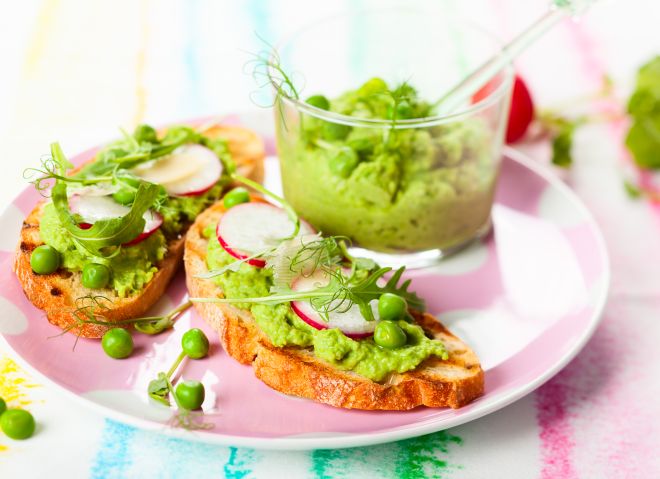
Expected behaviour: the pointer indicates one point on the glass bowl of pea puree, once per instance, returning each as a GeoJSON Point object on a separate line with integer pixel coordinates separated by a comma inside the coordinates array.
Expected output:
{"type": "Point", "coordinates": [364, 152]}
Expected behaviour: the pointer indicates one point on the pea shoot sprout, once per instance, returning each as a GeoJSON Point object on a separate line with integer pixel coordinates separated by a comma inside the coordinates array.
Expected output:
{"type": "Point", "coordinates": [92, 309]}
{"type": "Point", "coordinates": [195, 345]}
{"type": "Point", "coordinates": [340, 294]}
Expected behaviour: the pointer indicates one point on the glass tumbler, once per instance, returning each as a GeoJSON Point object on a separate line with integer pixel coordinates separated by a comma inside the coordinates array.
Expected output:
{"type": "Point", "coordinates": [405, 191]}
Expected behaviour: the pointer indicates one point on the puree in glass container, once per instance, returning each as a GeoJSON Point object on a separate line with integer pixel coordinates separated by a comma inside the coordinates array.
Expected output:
{"type": "Point", "coordinates": [388, 189]}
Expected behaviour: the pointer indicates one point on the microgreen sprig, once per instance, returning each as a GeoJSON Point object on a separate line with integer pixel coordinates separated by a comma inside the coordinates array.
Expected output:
{"type": "Point", "coordinates": [42, 178]}
{"type": "Point", "coordinates": [161, 389]}
{"type": "Point", "coordinates": [107, 168]}
{"type": "Point", "coordinates": [157, 324]}
{"type": "Point", "coordinates": [90, 309]}
{"type": "Point", "coordinates": [340, 294]}
{"type": "Point", "coordinates": [342, 291]}
{"type": "Point", "coordinates": [267, 70]}
{"type": "Point", "coordinates": [135, 153]}
{"type": "Point", "coordinates": [321, 252]}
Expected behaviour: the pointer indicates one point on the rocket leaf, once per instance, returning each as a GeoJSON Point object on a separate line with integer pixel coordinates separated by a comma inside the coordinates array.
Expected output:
{"type": "Point", "coordinates": [104, 238]}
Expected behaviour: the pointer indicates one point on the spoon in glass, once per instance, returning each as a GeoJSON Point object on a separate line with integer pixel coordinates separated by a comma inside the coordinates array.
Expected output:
{"type": "Point", "coordinates": [471, 84]}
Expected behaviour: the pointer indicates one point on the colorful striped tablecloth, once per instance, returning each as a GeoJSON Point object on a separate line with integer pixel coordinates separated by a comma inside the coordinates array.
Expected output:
{"type": "Point", "coordinates": [75, 70]}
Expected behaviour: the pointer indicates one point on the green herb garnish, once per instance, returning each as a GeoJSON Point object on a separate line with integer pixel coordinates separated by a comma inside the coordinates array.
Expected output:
{"type": "Point", "coordinates": [130, 152]}
{"type": "Point", "coordinates": [90, 309]}
{"type": "Point", "coordinates": [103, 233]}
{"type": "Point", "coordinates": [643, 139]}
{"type": "Point", "coordinates": [359, 287]}
{"type": "Point", "coordinates": [632, 190]}
{"type": "Point", "coordinates": [161, 389]}
{"type": "Point", "coordinates": [340, 294]}
{"type": "Point", "coordinates": [562, 145]}
{"type": "Point", "coordinates": [561, 130]}
{"type": "Point", "coordinates": [267, 70]}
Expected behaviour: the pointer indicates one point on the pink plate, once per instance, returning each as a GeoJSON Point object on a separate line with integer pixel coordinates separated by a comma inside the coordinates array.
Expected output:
{"type": "Point", "coordinates": [527, 299]}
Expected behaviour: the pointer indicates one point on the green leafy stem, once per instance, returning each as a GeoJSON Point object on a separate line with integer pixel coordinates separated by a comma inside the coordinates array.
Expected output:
{"type": "Point", "coordinates": [105, 233]}
{"type": "Point", "coordinates": [90, 310]}
{"type": "Point", "coordinates": [161, 388]}
{"type": "Point", "coordinates": [267, 65]}
{"type": "Point", "coordinates": [340, 294]}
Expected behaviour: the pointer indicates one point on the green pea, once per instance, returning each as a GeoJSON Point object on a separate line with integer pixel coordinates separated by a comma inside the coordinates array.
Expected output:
{"type": "Point", "coordinates": [344, 162]}
{"type": "Point", "coordinates": [190, 394]}
{"type": "Point", "coordinates": [145, 134]}
{"type": "Point", "coordinates": [95, 276]}
{"type": "Point", "coordinates": [389, 335]}
{"type": "Point", "coordinates": [124, 196]}
{"type": "Point", "coordinates": [319, 101]}
{"type": "Point", "coordinates": [195, 343]}
{"type": "Point", "coordinates": [391, 307]}
{"type": "Point", "coordinates": [403, 111]}
{"type": "Point", "coordinates": [3, 406]}
{"type": "Point", "coordinates": [236, 197]}
{"type": "Point", "coordinates": [361, 144]}
{"type": "Point", "coordinates": [17, 423]}
{"type": "Point", "coordinates": [45, 259]}
{"type": "Point", "coordinates": [117, 343]}
{"type": "Point", "coordinates": [335, 131]}
{"type": "Point", "coordinates": [372, 87]}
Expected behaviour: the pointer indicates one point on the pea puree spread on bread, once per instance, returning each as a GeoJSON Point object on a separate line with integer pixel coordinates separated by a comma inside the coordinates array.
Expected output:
{"type": "Point", "coordinates": [142, 175]}
{"type": "Point", "coordinates": [313, 320]}
{"type": "Point", "coordinates": [284, 327]}
{"type": "Point", "coordinates": [108, 236]}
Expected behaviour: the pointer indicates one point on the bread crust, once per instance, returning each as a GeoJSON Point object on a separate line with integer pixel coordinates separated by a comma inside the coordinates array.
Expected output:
{"type": "Point", "coordinates": [297, 371]}
{"type": "Point", "coordinates": [56, 293]}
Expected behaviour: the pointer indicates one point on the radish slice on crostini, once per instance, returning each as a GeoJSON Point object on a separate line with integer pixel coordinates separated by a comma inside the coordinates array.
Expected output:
{"type": "Point", "coordinates": [94, 208]}
{"type": "Point", "coordinates": [350, 322]}
{"type": "Point", "coordinates": [103, 189]}
{"type": "Point", "coordinates": [189, 170]}
{"type": "Point", "coordinates": [250, 228]}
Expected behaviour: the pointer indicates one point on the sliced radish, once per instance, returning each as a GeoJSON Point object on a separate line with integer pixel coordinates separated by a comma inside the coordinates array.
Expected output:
{"type": "Point", "coordinates": [103, 189]}
{"type": "Point", "coordinates": [189, 170]}
{"type": "Point", "coordinates": [350, 322]}
{"type": "Point", "coordinates": [96, 208]}
{"type": "Point", "coordinates": [183, 162]}
{"type": "Point", "coordinates": [203, 180]}
{"type": "Point", "coordinates": [250, 228]}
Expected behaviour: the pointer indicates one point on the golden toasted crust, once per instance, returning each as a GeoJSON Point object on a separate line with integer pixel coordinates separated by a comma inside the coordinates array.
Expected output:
{"type": "Point", "coordinates": [246, 147]}
{"type": "Point", "coordinates": [297, 371]}
{"type": "Point", "coordinates": [56, 293]}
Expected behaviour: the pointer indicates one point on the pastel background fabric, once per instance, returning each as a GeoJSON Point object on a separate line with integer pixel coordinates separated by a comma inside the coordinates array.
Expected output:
{"type": "Point", "coordinates": [73, 71]}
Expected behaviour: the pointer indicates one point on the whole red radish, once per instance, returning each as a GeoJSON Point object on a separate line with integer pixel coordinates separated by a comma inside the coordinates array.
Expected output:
{"type": "Point", "coordinates": [522, 111]}
{"type": "Point", "coordinates": [522, 108]}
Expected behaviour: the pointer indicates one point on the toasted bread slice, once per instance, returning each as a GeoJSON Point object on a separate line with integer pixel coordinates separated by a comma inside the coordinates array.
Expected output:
{"type": "Point", "coordinates": [56, 293]}
{"type": "Point", "coordinates": [297, 371]}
